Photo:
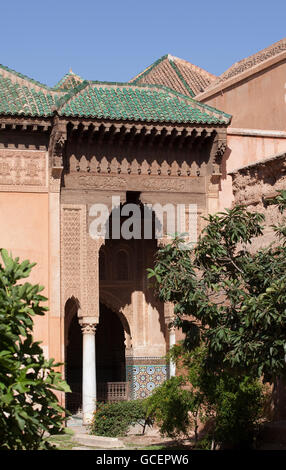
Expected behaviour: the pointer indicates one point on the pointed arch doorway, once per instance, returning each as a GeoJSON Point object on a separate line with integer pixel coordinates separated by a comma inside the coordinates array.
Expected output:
{"type": "Point", "coordinates": [110, 348]}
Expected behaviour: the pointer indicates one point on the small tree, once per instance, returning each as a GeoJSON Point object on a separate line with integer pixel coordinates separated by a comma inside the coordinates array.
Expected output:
{"type": "Point", "coordinates": [229, 298]}
{"type": "Point", "coordinates": [231, 405]}
{"type": "Point", "coordinates": [180, 404]}
{"type": "Point", "coordinates": [28, 406]}
{"type": "Point", "coordinates": [169, 407]}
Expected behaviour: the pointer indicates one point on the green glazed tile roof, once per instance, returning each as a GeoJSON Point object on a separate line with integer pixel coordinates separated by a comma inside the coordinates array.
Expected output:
{"type": "Point", "coordinates": [72, 96]}
{"type": "Point", "coordinates": [70, 80]}
{"type": "Point", "coordinates": [139, 103]}
{"type": "Point", "coordinates": [20, 95]}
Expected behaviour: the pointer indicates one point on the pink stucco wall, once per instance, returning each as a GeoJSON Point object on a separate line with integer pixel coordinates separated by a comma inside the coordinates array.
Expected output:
{"type": "Point", "coordinates": [24, 233]}
{"type": "Point", "coordinates": [255, 98]}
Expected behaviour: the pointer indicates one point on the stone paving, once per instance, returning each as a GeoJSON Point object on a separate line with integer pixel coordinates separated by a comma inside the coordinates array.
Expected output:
{"type": "Point", "coordinates": [273, 438]}
{"type": "Point", "coordinates": [135, 440]}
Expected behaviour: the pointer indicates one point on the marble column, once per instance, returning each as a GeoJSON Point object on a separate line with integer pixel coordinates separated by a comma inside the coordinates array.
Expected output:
{"type": "Point", "coordinates": [88, 371]}
{"type": "Point", "coordinates": [172, 342]}
{"type": "Point", "coordinates": [171, 332]}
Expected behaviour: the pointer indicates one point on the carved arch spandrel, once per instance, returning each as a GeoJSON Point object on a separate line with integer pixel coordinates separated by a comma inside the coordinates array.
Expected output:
{"type": "Point", "coordinates": [73, 255]}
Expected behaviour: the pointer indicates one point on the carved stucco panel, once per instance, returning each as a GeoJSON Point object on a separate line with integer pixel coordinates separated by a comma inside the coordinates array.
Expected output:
{"type": "Point", "coordinates": [136, 183]}
{"type": "Point", "coordinates": [73, 254]}
{"type": "Point", "coordinates": [92, 276]}
{"type": "Point", "coordinates": [23, 169]}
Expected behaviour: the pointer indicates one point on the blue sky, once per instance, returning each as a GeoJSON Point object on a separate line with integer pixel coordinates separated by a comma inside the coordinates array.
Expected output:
{"type": "Point", "coordinates": [115, 40]}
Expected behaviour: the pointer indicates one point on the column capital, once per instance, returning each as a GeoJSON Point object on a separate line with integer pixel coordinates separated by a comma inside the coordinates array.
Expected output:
{"type": "Point", "coordinates": [88, 327]}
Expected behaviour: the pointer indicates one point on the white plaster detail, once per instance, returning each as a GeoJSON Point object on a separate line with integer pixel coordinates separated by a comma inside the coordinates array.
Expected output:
{"type": "Point", "coordinates": [88, 372]}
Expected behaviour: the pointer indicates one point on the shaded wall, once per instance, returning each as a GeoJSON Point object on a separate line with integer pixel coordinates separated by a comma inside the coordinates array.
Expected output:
{"type": "Point", "coordinates": [257, 101]}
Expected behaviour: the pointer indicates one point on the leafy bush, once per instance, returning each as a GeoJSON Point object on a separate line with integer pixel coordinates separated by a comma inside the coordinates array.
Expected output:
{"type": "Point", "coordinates": [169, 407]}
{"type": "Point", "coordinates": [28, 406]}
{"type": "Point", "coordinates": [114, 419]}
{"type": "Point", "coordinates": [231, 405]}
{"type": "Point", "coordinates": [238, 407]}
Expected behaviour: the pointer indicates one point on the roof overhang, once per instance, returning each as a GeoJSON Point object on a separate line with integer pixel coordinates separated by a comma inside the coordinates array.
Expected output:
{"type": "Point", "coordinates": [232, 82]}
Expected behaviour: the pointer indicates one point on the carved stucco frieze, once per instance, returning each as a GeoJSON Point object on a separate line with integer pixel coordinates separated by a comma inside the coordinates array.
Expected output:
{"type": "Point", "coordinates": [135, 183]}
{"type": "Point", "coordinates": [73, 254]}
{"type": "Point", "coordinates": [22, 169]}
{"type": "Point", "coordinates": [134, 163]}
{"type": "Point", "coordinates": [79, 261]}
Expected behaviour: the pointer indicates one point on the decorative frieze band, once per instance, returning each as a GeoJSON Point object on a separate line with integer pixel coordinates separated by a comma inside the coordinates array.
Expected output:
{"type": "Point", "coordinates": [23, 170]}
{"type": "Point", "coordinates": [79, 261]}
{"type": "Point", "coordinates": [131, 182]}
{"type": "Point", "coordinates": [73, 253]}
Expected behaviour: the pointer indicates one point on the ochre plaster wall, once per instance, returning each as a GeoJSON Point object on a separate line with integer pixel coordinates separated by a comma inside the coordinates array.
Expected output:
{"type": "Point", "coordinates": [24, 233]}
{"type": "Point", "coordinates": [257, 101]}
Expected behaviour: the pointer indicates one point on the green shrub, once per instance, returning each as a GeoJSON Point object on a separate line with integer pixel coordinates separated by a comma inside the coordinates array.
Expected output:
{"type": "Point", "coordinates": [114, 419]}
{"type": "Point", "coordinates": [29, 407]}
{"type": "Point", "coordinates": [169, 407]}
{"type": "Point", "coordinates": [231, 405]}
{"type": "Point", "coordinates": [238, 407]}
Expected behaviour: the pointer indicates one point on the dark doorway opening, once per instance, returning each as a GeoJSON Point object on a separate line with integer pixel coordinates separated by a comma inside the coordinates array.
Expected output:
{"type": "Point", "coordinates": [110, 348]}
{"type": "Point", "coordinates": [73, 369]}
{"type": "Point", "coordinates": [110, 355]}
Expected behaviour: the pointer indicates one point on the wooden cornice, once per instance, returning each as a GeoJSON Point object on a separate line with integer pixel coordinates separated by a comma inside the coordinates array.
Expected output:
{"type": "Point", "coordinates": [141, 134]}
{"type": "Point", "coordinates": [25, 124]}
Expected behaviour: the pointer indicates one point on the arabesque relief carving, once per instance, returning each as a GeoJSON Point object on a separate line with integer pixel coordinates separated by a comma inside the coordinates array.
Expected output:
{"type": "Point", "coordinates": [22, 168]}
{"type": "Point", "coordinates": [73, 254]}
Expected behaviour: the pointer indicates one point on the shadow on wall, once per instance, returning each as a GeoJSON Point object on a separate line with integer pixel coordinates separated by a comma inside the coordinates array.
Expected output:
{"type": "Point", "coordinates": [122, 270]}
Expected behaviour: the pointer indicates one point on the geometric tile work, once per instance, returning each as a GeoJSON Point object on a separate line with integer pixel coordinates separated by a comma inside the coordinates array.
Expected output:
{"type": "Point", "coordinates": [145, 374]}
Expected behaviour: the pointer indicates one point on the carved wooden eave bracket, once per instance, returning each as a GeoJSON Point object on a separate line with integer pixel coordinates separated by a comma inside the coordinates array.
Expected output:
{"type": "Point", "coordinates": [218, 151]}
{"type": "Point", "coordinates": [141, 133]}
{"type": "Point", "coordinates": [56, 150]}
{"type": "Point", "coordinates": [25, 123]}
{"type": "Point", "coordinates": [29, 127]}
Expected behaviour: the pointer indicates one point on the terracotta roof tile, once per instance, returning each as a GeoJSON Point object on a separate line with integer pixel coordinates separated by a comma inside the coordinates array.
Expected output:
{"type": "Point", "coordinates": [249, 62]}
{"type": "Point", "coordinates": [197, 78]}
{"type": "Point", "coordinates": [176, 73]}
